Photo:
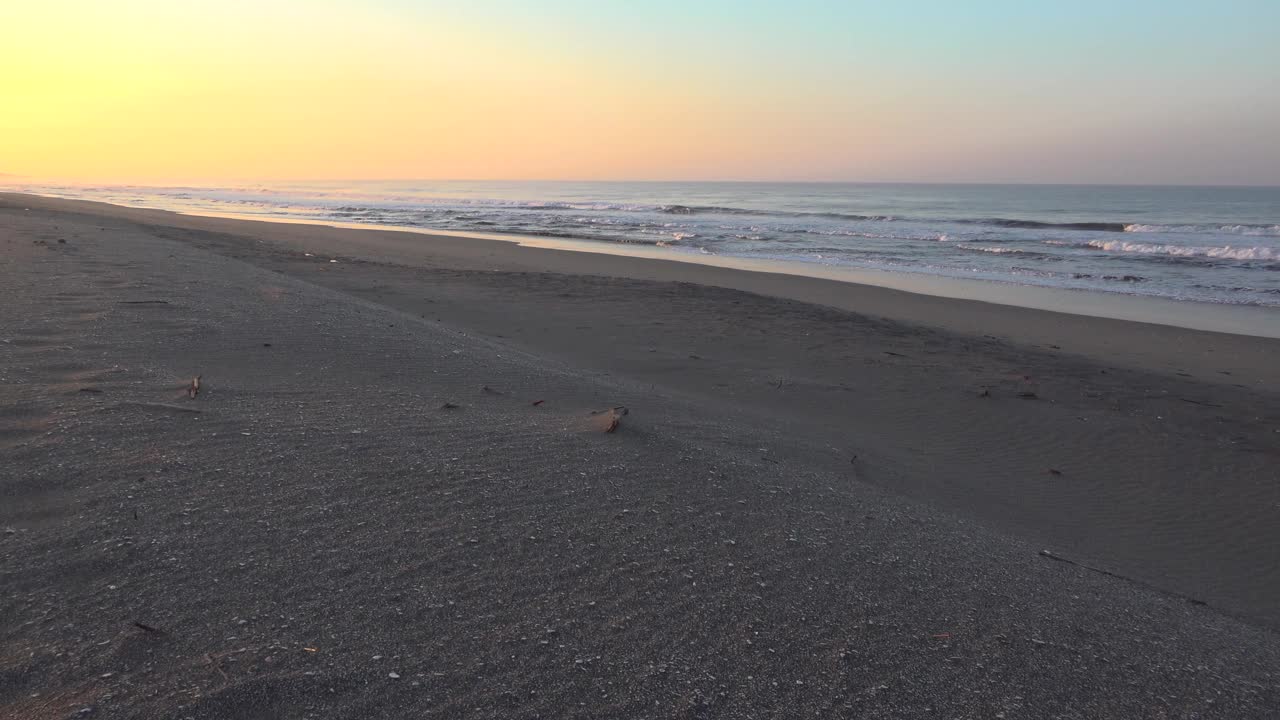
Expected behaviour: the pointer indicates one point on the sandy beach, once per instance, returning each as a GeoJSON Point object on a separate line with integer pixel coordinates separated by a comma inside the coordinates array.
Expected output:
{"type": "Point", "coordinates": [390, 497]}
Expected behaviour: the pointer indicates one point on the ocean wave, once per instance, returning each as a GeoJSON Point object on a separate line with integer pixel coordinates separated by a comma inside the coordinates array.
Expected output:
{"type": "Point", "coordinates": [1253, 230]}
{"type": "Point", "coordinates": [1003, 251]}
{"type": "Point", "coordinates": [1222, 253]}
{"type": "Point", "coordinates": [1038, 224]}
{"type": "Point", "coordinates": [1239, 229]}
{"type": "Point", "coordinates": [840, 232]}
{"type": "Point", "coordinates": [1041, 272]}
{"type": "Point", "coordinates": [1034, 272]}
{"type": "Point", "coordinates": [725, 210]}
{"type": "Point", "coordinates": [1013, 223]}
{"type": "Point", "coordinates": [1115, 278]}
{"type": "Point", "coordinates": [1238, 288]}
{"type": "Point", "coordinates": [575, 206]}
{"type": "Point", "coordinates": [670, 239]}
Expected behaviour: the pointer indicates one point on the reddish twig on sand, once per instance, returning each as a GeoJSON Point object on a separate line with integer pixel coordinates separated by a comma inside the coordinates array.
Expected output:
{"type": "Point", "coordinates": [194, 388]}
{"type": "Point", "coordinates": [536, 403]}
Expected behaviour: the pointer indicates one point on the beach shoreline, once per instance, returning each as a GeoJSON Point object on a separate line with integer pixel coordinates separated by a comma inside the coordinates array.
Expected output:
{"type": "Point", "coordinates": [1262, 321]}
{"type": "Point", "coordinates": [821, 488]}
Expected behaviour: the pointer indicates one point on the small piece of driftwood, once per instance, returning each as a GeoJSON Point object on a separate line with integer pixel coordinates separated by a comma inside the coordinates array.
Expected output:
{"type": "Point", "coordinates": [613, 417]}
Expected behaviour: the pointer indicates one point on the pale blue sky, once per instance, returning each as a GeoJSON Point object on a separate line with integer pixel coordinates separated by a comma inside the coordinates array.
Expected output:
{"type": "Point", "coordinates": [1123, 91]}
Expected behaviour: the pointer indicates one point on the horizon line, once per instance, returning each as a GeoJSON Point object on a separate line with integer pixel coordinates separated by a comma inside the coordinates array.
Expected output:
{"type": "Point", "coordinates": [151, 183]}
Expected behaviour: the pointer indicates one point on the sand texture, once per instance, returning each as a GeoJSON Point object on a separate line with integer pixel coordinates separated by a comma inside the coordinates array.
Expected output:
{"type": "Point", "coordinates": [391, 497]}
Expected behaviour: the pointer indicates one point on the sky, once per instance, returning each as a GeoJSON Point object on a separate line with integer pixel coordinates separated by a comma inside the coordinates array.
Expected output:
{"type": "Point", "coordinates": [1133, 91]}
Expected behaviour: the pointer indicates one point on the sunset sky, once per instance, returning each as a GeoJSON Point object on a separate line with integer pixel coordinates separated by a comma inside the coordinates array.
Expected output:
{"type": "Point", "coordinates": [1129, 92]}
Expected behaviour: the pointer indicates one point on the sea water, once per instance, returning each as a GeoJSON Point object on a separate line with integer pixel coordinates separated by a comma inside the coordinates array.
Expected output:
{"type": "Point", "coordinates": [1207, 244]}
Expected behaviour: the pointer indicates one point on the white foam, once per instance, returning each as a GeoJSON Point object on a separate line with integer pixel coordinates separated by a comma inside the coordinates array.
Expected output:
{"type": "Point", "coordinates": [1227, 252]}
{"type": "Point", "coordinates": [1249, 230]}
{"type": "Point", "coordinates": [1141, 228]}
{"type": "Point", "coordinates": [996, 250]}
{"type": "Point", "coordinates": [1253, 230]}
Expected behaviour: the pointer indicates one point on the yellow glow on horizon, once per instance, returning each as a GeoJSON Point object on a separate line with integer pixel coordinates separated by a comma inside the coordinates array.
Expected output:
{"type": "Point", "coordinates": [156, 92]}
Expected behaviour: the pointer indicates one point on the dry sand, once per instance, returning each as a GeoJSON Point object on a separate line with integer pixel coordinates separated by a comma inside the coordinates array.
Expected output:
{"type": "Point", "coordinates": [827, 500]}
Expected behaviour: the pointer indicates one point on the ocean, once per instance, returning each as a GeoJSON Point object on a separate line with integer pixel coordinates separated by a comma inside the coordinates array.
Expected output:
{"type": "Point", "coordinates": [1206, 244]}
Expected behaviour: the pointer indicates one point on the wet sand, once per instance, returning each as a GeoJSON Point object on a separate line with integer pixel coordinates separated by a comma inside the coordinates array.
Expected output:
{"type": "Point", "coordinates": [827, 499]}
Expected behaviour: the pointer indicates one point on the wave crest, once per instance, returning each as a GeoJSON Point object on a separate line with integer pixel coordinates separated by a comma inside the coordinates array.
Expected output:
{"type": "Point", "coordinates": [1226, 252]}
{"type": "Point", "coordinates": [1037, 224]}
{"type": "Point", "coordinates": [998, 250]}
{"type": "Point", "coordinates": [1247, 230]}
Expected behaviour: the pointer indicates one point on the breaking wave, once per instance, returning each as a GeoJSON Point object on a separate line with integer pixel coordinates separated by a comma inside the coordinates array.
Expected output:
{"type": "Point", "coordinates": [1003, 251]}
{"type": "Point", "coordinates": [1223, 253]}
{"type": "Point", "coordinates": [1036, 224]}
{"type": "Point", "coordinates": [1247, 230]}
